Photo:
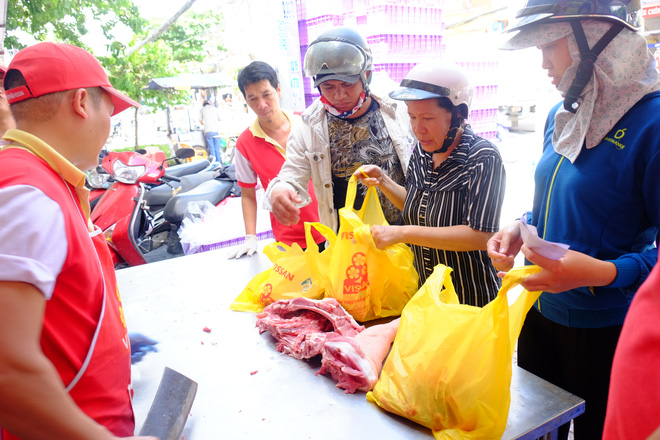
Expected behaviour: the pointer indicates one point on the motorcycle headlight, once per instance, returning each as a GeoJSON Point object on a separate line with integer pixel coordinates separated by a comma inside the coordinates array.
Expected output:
{"type": "Point", "coordinates": [96, 179]}
{"type": "Point", "coordinates": [126, 173]}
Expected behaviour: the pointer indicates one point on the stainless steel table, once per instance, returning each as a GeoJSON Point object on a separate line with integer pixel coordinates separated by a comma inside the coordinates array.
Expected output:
{"type": "Point", "coordinates": [248, 390]}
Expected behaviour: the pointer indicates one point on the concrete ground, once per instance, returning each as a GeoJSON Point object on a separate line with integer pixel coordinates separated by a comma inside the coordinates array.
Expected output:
{"type": "Point", "coordinates": [520, 151]}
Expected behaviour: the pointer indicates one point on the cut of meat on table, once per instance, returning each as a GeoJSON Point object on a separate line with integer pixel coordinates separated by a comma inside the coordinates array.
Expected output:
{"type": "Point", "coordinates": [304, 328]}
{"type": "Point", "coordinates": [355, 361]}
{"type": "Point", "coordinates": [301, 325]}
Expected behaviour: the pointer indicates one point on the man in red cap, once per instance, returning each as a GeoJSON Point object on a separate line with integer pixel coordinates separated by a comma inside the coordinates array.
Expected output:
{"type": "Point", "coordinates": [64, 348]}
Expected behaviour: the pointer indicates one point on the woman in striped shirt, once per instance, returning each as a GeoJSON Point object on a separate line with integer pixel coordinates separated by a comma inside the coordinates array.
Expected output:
{"type": "Point", "coordinates": [455, 184]}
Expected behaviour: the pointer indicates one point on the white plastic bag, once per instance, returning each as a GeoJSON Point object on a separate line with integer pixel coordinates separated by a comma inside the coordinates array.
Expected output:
{"type": "Point", "coordinates": [208, 227]}
{"type": "Point", "coordinates": [198, 226]}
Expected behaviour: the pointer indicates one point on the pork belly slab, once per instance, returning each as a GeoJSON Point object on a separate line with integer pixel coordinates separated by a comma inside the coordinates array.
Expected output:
{"type": "Point", "coordinates": [304, 328]}
{"type": "Point", "coordinates": [300, 325]}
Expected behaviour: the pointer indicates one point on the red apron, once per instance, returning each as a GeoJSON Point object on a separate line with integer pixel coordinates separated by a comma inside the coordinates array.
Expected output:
{"type": "Point", "coordinates": [103, 389]}
{"type": "Point", "coordinates": [102, 386]}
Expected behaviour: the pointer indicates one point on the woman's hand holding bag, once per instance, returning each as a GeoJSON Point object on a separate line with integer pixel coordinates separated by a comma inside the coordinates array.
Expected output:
{"type": "Point", "coordinates": [368, 282]}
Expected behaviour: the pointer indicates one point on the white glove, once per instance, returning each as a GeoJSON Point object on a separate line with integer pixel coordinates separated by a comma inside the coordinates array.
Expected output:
{"type": "Point", "coordinates": [248, 247]}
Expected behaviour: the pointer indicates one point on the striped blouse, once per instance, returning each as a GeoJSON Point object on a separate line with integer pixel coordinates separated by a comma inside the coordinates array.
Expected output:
{"type": "Point", "coordinates": [467, 188]}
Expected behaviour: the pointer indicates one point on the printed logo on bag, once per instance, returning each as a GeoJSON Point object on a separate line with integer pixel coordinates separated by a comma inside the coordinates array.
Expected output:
{"type": "Point", "coordinates": [283, 272]}
{"type": "Point", "coordinates": [306, 285]}
{"type": "Point", "coordinates": [356, 275]}
{"type": "Point", "coordinates": [266, 294]}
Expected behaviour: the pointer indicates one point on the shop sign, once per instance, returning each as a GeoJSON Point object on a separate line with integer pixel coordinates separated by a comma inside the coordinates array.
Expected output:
{"type": "Point", "coordinates": [651, 11]}
{"type": "Point", "coordinates": [656, 56]}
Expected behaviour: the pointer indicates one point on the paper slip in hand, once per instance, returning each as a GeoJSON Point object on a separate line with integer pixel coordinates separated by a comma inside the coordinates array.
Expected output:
{"type": "Point", "coordinates": [548, 249]}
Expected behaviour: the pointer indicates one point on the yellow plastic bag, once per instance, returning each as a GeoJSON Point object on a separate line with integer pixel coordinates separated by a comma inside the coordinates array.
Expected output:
{"type": "Point", "coordinates": [295, 272]}
{"type": "Point", "coordinates": [450, 365]}
{"type": "Point", "coordinates": [368, 282]}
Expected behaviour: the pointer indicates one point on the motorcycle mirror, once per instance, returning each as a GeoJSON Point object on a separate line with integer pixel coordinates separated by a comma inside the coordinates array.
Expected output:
{"type": "Point", "coordinates": [184, 153]}
{"type": "Point", "coordinates": [181, 153]}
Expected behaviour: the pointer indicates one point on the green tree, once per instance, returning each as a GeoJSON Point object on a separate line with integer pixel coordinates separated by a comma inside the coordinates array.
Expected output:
{"type": "Point", "coordinates": [67, 20]}
{"type": "Point", "coordinates": [182, 46]}
{"type": "Point", "coordinates": [132, 75]}
{"type": "Point", "coordinates": [189, 37]}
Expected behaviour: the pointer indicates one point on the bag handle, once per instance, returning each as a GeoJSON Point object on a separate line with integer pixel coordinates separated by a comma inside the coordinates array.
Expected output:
{"type": "Point", "coordinates": [322, 229]}
{"type": "Point", "coordinates": [372, 194]}
{"type": "Point", "coordinates": [351, 192]}
{"type": "Point", "coordinates": [275, 251]}
{"type": "Point", "coordinates": [517, 275]}
{"type": "Point", "coordinates": [521, 305]}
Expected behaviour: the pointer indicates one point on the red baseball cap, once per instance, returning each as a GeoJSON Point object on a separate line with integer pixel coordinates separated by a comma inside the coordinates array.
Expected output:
{"type": "Point", "coordinates": [57, 67]}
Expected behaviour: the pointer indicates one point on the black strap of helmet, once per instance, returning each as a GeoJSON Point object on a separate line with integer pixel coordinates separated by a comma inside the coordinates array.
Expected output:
{"type": "Point", "coordinates": [587, 60]}
{"type": "Point", "coordinates": [454, 130]}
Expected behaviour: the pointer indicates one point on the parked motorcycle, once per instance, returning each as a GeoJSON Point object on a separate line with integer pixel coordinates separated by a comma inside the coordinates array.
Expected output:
{"type": "Point", "coordinates": [99, 179]}
{"type": "Point", "coordinates": [141, 211]}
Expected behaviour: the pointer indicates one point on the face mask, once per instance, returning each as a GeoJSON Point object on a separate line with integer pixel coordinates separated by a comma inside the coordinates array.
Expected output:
{"type": "Point", "coordinates": [346, 114]}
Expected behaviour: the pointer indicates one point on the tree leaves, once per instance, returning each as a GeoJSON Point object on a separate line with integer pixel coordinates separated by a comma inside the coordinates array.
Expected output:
{"type": "Point", "coordinates": [66, 19]}
{"type": "Point", "coordinates": [181, 48]}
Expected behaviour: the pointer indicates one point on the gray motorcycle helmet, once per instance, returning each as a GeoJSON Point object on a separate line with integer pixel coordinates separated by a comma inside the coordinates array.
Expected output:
{"type": "Point", "coordinates": [339, 53]}
{"type": "Point", "coordinates": [625, 12]}
{"type": "Point", "coordinates": [622, 14]}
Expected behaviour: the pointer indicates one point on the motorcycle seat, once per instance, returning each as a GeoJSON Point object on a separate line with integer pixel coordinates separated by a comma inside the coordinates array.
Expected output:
{"type": "Point", "coordinates": [194, 180]}
{"type": "Point", "coordinates": [212, 191]}
{"type": "Point", "coordinates": [161, 194]}
{"type": "Point", "coordinates": [187, 168]}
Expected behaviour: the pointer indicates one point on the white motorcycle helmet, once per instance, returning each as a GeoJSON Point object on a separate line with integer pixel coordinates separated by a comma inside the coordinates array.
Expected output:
{"type": "Point", "coordinates": [439, 79]}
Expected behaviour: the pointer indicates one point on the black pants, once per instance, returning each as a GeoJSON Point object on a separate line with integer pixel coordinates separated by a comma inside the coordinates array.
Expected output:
{"type": "Point", "coordinates": [320, 245]}
{"type": "Point", "coordinates": [578, 360]}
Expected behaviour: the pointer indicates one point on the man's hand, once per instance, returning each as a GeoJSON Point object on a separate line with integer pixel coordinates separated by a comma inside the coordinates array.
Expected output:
{"type": "Point", "coordinates": [284, 206]}
{"type": "Point", "coordinates": [248, 247]}
{"type": "Point", "coordinates": [385, 235]}
{"type": "Point", "coordinates": [571, 271]}
{"type": "Point", "coordinates": [503, 247]}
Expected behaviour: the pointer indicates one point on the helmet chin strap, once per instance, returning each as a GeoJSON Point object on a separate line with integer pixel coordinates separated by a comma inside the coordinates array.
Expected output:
{"type": "Point", "coordinates": [454, 130]}
{"type": "Point", "coordinates": [348, 113]}
{"type": "Point", "coordinates": [587, 60]}
{"type": "Point", "coordinates": [333, 111]}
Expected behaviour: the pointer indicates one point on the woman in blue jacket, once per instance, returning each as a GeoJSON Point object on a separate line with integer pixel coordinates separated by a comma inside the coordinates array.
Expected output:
{"type": "Point", "coordinates": [597, 190]}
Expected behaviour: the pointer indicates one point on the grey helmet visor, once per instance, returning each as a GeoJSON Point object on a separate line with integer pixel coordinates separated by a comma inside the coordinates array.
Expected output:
{"type": "Point", "coordinates": [337, 57]}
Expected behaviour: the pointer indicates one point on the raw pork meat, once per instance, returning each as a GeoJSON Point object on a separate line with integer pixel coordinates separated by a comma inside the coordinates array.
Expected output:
{"type": "Point", "coordinates": [301, 325]}
{"type": "Point", "coordinates": [304, 328]}
{"type": "Point", "coordinates": [355, 362]}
